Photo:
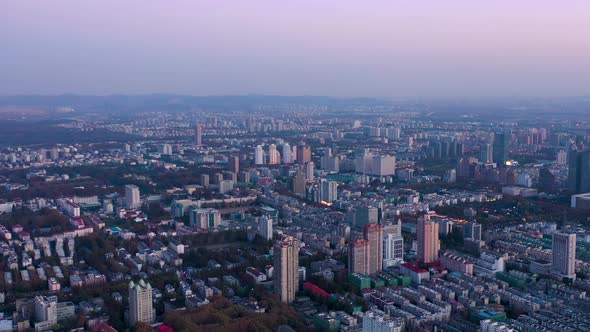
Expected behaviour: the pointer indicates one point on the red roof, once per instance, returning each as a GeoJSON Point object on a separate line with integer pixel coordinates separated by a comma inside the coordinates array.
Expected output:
{"type": "Point", "coordinates": [165, 328]}
{"type": "Point", "coordinates": [316, 290]}
{"type": "Point", "coordinates": [103, 327]}
{"type": "Point", "coordinates": [413, 268]}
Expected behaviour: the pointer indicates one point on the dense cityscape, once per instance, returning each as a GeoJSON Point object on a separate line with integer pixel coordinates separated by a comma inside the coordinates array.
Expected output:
{"type": "Point", "coordinates": [294, 214]}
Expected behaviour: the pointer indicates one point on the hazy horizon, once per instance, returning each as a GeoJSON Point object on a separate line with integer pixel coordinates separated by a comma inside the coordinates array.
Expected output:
{"type": "Point", "coordinates": [383, 49]}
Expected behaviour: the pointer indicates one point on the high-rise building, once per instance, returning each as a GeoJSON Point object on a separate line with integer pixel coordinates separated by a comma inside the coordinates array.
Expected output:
{"type": "Point", "coordinates": [561, 158]}
{"type": "Point", "coordinates": [373, 233]}
{"type": "Point", "coordinates": [286, 153]}
{"type": "Point", "coordinates": [265, 228]}
{"type": "Point", "coordinates": [165, 149]}
{"type": "Point", "coordinates": [486, 153]}
{"type": "Point", "coordinates": [46, 310]}
{"type": "Point", "coordinates": [364, 215]}
{"type": "Point", "coordinates": [140, 303]}
{"type": "Point", "coordinates": [299, 181]}
{"type": "Point", "coordinates": [132, 198]}
{"type": "Point", "coordinates": [428, 244]}
{"type": "Point", "coordinates": [366, 255]}
{"type": "Point", "coordinates": [204, 218]}
{"type": "Point", "coordinates": [286, 268]}
{"type": "Point", "coordinates": [393, 249]}
{"type": "Point", "coordinates": [198, 134]}
{"type": "Point", "coordinates": [578, 177]}
{"type": "Point", "coordinates": [273, 155]}
{"type": "Point", "coordinates": [258, 155]}
{"type": "Point", "coordinates": [226, 186]}
{"type": "Point", "coordinates": [328, 190]}
{"type": "Point", "coordinates": [501, 147]}
{"type": "Point", "coordinates": [472, 231]}
{"type": "Point", "coordinates": [233, 164]}
{"type": "Point", "coordinates": [564, 255]}
{"type": "Point", "coordinates": [309, 171]}
{"type": "Point", "coordinates": [303, 154]}
{"type": "Point", "coordinates": [357, 256]}
{"type": "Point", "coordinates": [205, 180]}
{"type": "Point", "coordinates": [383, 165]}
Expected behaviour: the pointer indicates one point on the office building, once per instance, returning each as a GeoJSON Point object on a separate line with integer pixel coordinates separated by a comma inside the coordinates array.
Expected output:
{"type": "Point", "coordinates": [132, 198]}
{"type": "Point", "coordinates": [428, 243]}
{"type": "Point", "coordinates": [259, 155]}
{"type": "Point", "coordinates": [140, 303]}
{"type": "Point", "coordinates": [286, 268]}
{"type": "Point", "coordinates": [328, 190]}
{"type": "Point", "coordinates": [578, 178]}
{"type": "Point", "coordinates": [486, 153]}
{"type": "Point", "coordinates": [393, 249]}
{"type": "Point", "coordinates": [204, 218]}
{"type": "Point", "coordinates": [501, 147]}
{"type": "Point", "coordinates": [563, 255]}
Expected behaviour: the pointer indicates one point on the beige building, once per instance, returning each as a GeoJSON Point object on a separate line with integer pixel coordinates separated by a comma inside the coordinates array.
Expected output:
{"type": "Point", "coordinates": [286, 268]}
{"type": "Point", "coordinates": [366, 255]}
{"type": "Point", "coordinates": [140, 303]}
{"type": "Point", "coordinates": [428, 243]}
{"type": "Point", "coordinates": [564, 255]}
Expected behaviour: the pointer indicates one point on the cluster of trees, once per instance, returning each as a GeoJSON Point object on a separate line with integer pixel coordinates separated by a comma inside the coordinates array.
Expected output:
{"type": "Point", "coordinates": [30, 220]}
{"type": "Point", "coordinates": [222, 315]}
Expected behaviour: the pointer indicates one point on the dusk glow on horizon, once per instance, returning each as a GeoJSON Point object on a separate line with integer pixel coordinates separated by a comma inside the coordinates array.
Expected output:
{"type": "Point", "coordinates": [304, 47]}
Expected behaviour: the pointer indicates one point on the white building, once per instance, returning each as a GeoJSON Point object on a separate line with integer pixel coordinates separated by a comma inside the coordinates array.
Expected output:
{"type": "Point", "coordinates": [375, 320]}
{"type": "Point", "coordinates": [328, 190]}
{"type": "Point", "coordinates": [204, 218]}
{"type": "Point", "coordinates": [132, 198]}
{"type": "Point", "coordinates": [259, 155]}
{"type": "Point", "coordinates": [226, 186]}
{"type": "Point", "coordinates": [265, 228]}
{"type": "Point", "coordinates": [393, 250]}
{"type": "Point", "coordinates": [564, 255]}
{"type": "Point", "coordinates": [286, 154]}
{"type": "Point", "coordinates": [140, 303]}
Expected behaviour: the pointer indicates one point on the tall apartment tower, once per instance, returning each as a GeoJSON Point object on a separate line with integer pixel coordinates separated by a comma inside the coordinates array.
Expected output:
{"type": "Point", "coordinates": [140, 303]}
{"type": "Point", "coordinates": [199, 134]}
{"type": "Point", "coordinates": [578, 177]}
{"type": "Point", "coordinates": [258, 155]}
{"type": "Point", "coordinates": [286, 154]}
{"type": "Point", "coordinates": [233, 164]}
{"type": "Point", "coordinates": [132, 198]}
{"type": "Point", "coordinates": [286, 268]}
{"type": "Point", "coordinates": [265, 228]}
{"type": "Point", "coordinates": [328, 190]}
{"type": "Point", "coordinates": [366, 255]}
{"type": "Point", "coordinates": [373, 233]}
{"type": "Point", "coordinates": [564, 255]}
{"type": "Point", "coordinates": [303, 154]}
{"type": "Point", "coordinates": [428, 243]}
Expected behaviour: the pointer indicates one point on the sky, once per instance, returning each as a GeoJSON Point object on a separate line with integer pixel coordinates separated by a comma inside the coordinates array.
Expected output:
{"type": "Point", "coordinates": [341, 48]}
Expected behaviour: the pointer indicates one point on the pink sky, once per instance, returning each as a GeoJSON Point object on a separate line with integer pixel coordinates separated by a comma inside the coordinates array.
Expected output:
{"type": "Point", "coordinates": [315, 47]}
